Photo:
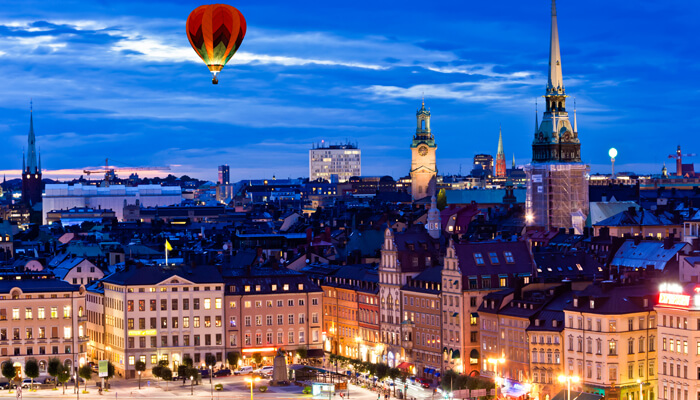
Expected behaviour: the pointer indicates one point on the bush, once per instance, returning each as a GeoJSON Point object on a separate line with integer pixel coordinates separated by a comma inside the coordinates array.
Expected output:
{"type": "Point", "coordinates": [218, 386]}
{"type": "Point", "coordinates": [307, 390]}
{"type": "Point", "coordinates": [262, 389]}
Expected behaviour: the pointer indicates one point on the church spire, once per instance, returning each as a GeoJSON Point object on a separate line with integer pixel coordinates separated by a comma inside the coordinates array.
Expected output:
{"type": "Point", "coordinates": [556, 81]}
{"type": "Point", "coordinates": [500, 142]}
{"type": "Point", "coordinates": [31, 142]}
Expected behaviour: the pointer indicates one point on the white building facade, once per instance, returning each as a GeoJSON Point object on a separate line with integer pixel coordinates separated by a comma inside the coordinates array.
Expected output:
{"type": "Point", "coordinates": [343, 161]}
{"type": "Point", "coordinates": [114, 197]}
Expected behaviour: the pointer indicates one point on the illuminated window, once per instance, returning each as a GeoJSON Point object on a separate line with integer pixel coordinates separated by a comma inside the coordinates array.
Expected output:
{"type": "Point", "coordinates": [15, 313]}
{"type": "Point", "coordinates": [207, 304]}
{"type": "Point", "coordinates": [217, 303]}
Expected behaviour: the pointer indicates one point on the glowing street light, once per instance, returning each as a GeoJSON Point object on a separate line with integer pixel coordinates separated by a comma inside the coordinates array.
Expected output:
{"type": "Point", "coordinates": [641, 393]}
{"type": "Point", "coordinates": [568, 379]}
{"type": "Point", "coordinates": [252, 383]}
{"type": "Point", "coordinates": [612, 153]}
{"type": "Point", "coordinates": [495, 362]}
{"type": "Point", "coordinates": [529, 218]}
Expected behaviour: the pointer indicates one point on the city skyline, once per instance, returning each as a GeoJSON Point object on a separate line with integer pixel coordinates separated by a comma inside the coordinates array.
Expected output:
{"type": "Point", "coordinates": [300, 80]}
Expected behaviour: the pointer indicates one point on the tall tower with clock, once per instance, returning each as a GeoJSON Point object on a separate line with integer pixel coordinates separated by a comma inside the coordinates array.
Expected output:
{"type": "Point", "coordinates": [423, 163]}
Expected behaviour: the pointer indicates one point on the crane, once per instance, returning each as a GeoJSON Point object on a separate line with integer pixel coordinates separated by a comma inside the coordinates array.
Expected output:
{"type": "Point", "coordinates": [679, 160]}
{"type": "Point", "coordinates": [110, 172]}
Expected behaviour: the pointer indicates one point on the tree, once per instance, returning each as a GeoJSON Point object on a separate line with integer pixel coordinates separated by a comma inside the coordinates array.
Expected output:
{"type": "Point", "coordinates": [187, 361]}
{"type": "Point", "coordinates": [54, 368]}
{"type": "Point", "coordinates": [167, 375]}
{"type": "Point", "coordinates": [31, 369]}
{"type": "Point", "coordinates": [85, 372]}
{"type": "Point", "coordinates": [110, 371]}
{"type": "Point", "coordinates": [233, 357]}
{"type": "Point", "coordinates": [441, 200]}
{"type": "Point", "coordinates": [257, 358]}
{"type": "Point", "coordinates": [381, 372]}
{"type": "Point", "coordinates": [9, 372]}
{"type": "Point", "coordinates": [393, 374]}
{"type": "Point", "coordinates": [156, 371]}
{"type": "Point", "coordinates": [62, 376]}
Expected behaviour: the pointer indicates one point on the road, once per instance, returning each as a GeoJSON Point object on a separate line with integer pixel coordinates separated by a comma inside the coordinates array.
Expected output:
{"type": "Point", "coordinates": [234, 388]}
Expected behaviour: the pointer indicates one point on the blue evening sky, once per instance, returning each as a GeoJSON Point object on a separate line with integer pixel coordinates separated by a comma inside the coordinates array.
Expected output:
{"type": "Point", "coordinates": [120, 80]}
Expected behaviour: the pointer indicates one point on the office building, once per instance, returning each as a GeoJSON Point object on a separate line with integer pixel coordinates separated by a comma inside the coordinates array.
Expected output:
{"type": "Point", "coordinates": [224, 175]}
{"type": "Point", "coordinates": [152, 313]}
{"type": "Point", "coordinates": [334, 163]}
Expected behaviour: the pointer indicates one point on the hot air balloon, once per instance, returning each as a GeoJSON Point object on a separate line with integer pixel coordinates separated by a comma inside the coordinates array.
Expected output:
{"type": "Point", "coordinates": [215, 32]}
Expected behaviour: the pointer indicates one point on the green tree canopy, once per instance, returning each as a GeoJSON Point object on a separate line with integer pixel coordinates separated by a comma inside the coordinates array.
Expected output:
{"type": "Point", "coordinates": [232, 357]}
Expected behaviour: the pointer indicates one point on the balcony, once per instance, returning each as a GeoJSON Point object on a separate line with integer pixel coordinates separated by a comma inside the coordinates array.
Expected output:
{"type": "Point", "coordinates": [82, 319]}
{"type": "Point", "coordinates": [83, 339]}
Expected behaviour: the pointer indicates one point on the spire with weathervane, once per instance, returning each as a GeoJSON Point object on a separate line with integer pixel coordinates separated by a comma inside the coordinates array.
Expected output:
{"type": "Point", "coordinates": [32, 164]}
{"type": "Point", "coordinates": [31, 169]}
{"type": "Point", "coordinates": [555, 139]}
{"type": "Point", "coordinates": [500, 157]}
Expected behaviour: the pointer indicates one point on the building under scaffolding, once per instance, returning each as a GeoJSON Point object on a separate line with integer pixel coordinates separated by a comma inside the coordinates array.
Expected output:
{"type": "Point", "coordinates": [557, 188]}
{"type": "Point", "coordinates": [557, 195]}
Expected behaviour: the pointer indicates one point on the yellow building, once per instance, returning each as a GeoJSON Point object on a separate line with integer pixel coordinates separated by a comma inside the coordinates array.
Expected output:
{"type": "Point", "coordinates": [610, 340]}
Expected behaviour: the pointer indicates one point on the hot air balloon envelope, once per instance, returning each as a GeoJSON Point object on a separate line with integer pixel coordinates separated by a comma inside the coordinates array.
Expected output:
{"type": "Point", "coordinates": [215, 32]}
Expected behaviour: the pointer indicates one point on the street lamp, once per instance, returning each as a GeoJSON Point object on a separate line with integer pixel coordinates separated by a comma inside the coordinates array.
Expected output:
{"type": "Point", "coordinates": [211, 383]}
{"type": "Point", "coordinates": [495, 362]}
{"type": "Point", "coordinates": [77, 386]}
{"type": "Point", "coordinates": [252, 381]}
{"type": "Point", "coordinates": [192, 385]}
{"type": "Point", "coordinates": [641, 393]}
{"type": "Point", "coordinates": [612, 153]}
{"type": "Point", "coordinates": [139, 380]}
{"type": "Point", "coordinates": [568, 379]}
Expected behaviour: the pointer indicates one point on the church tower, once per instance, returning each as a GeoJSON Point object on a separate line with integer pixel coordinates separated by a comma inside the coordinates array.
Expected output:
{"type": "Point", "coordinates": [557, 188]}
{"type": "Point", "coordinates": [31, 170]}
{"type": "Point", "coordinates": [423, 163]}
{"type": "Point", "coordinates": [500, 157]}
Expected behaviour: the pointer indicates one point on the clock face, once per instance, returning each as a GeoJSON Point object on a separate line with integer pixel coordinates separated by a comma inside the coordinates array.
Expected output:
{"type": "Point", "coordinates": [423, 150]}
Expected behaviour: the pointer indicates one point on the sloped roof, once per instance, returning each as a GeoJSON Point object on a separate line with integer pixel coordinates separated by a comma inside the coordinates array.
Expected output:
{"type": "Point", "coordinates": [367, 242]}
{"type": "Point", "coordinates": [151, 275]}
{"type": "Point", "coordinates": [646, 253]}
{"type": "Point", "coordinates": [602, 210]}
{"type": "Point", "coordinates": [641, 217]}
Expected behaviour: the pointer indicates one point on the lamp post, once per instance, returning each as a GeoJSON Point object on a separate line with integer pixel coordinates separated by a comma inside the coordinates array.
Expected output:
{"type": "Point", "coordinates": [211, 382]}
{"type": "Point", "coordinates": [191, 385]}
{"type": "Point", "coordinates": [612, 153]}
{"type": "Point", "coordinates": [495, 362]}
{"type": "Point", "coordinates": [139, 380]}
{"type": "Point", "coordinates": [77, 387]}
{"type": "Point", "coordinates": [568, 379]}
{"type": "Point", "coordinates": [641, 393]}
{"type": "Point", "coordinates": [252, 381]}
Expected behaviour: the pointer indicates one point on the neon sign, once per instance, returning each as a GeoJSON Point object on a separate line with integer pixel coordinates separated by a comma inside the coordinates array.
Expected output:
{"type": "Point", "coordinates": [674, 299]}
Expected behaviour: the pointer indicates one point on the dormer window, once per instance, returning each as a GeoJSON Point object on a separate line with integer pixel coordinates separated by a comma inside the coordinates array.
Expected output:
{"type": "Point", "coordinates": [554, 323]}
{"type": "Point", "coordinates": [493, 257]}
{"type": "Point", "coordinates": [646, 302]}
{"type": "Point", "coordinates": [537, 322]}
{"type": "Point", "coordinates": [592, 304]}
{"type": "Point", "coordinates": [575, 302]}
{"type": "Point", "coordinates": [479, 258]}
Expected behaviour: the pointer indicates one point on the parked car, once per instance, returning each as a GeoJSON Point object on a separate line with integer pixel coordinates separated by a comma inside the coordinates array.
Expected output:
{"type": "Point", "coordinates": [243, 370]}
{"type": "Point", "coordinates": [204, 373]}
{"type": "Point", "coordinates": [222, 372]}
{"type": "Point", "coordinates": [4, 385]}
{"type": "Point", "coordinates": [46, 380]}
{"type": "Point", "coordinates": [27, 382]}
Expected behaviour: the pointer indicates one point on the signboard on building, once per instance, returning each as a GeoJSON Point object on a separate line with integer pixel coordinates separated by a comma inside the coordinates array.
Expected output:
{"type": "Point", "coordinates": [103, 368]}
{"type": "Point", "coordinates": [143, 332]}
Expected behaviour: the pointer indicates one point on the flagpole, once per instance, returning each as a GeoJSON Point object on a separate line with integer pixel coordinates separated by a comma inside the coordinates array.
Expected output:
{"type": "Point", "coordinates": [166, 253]}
